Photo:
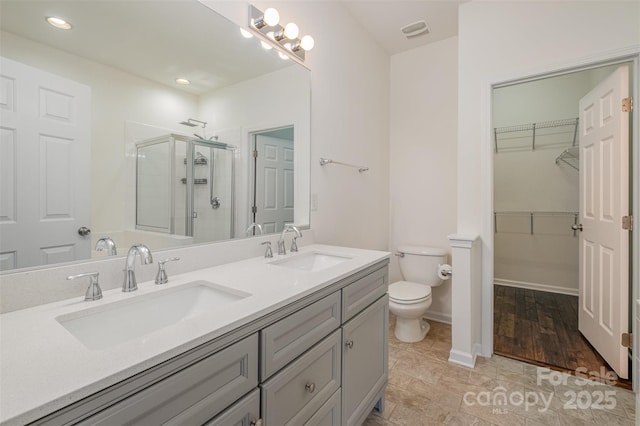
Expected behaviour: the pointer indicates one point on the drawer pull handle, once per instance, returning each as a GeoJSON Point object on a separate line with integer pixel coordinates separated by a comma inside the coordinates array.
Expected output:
{"type": "Point", "coordinates": [349, 344]}
{"type": "Point", "coordinates": [258, 422]}
{"type": "Point", "coordinates": [310, 387]}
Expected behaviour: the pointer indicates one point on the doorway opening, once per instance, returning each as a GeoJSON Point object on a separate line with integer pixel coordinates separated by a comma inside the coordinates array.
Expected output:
{"type": "Point", "coordinates": [272, 180]}
{"type": "Point", "coordinates": [543, 267]}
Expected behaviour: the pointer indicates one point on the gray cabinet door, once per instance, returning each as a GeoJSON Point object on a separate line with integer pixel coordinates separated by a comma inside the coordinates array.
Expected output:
{"type": "Point", "coordinates": [192, 395]}
{"type": "Point", "coordinates": [363, 292]}
{"type": "Point", "coordinates": [293, 395]}
{"type": "Point", "coordinates": [245, 412]}
{"type": "Point", "coordinates": [364, 361]}
{"type": "Point", "coordinates": [284, 341]}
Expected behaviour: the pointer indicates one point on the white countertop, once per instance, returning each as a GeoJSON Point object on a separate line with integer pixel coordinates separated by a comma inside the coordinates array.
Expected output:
{"type": "Point", "coordinates": [44, 368]}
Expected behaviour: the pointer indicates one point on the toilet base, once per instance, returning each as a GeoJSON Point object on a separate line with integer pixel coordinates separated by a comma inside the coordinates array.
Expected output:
{"type": "Point", "coordinates": [411, 330]}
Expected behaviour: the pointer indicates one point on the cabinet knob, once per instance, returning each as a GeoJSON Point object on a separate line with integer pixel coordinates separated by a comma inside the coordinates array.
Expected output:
{"type": "Point", "coordinates": [349, 344]}
{"type": "Point", "coordinates": [257, 422]}
{"type": "Point", "coordinates": [310, 387]}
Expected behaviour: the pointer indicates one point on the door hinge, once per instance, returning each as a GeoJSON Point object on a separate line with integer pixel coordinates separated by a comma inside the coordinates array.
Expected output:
{"type": "Point", "coordinates": [255, 153]}
{"type": "Point", "coordinates": [254, 210]}
{"type": "Point", "coordinates": [627, 223]}
{"type": "Point", "coordinates": [627, 104]}
{"type": "Point", "coordinates": [627, 340]}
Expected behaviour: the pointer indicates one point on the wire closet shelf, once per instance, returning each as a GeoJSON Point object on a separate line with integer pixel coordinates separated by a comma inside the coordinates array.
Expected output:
{"type": "Point", "coordinates": [531, 133]}
{"type": "Point", "coordinates": [532, 215]}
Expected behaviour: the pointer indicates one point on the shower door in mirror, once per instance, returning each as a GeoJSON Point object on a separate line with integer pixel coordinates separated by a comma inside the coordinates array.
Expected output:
{"type": "Point", "coordinates": [185, 187]}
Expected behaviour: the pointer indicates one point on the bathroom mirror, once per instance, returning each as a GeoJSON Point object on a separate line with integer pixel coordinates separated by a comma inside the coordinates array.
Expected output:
{"type": "Point", "coordinates": [111, 82]}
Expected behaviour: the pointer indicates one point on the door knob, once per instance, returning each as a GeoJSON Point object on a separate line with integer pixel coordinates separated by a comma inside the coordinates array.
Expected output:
{"type": "Point", "coordinates": [84, 231]}
{"type": "Point", "coordinates": [577, 227]}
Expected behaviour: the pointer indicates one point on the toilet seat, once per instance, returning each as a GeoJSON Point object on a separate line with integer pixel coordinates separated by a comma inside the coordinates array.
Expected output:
{"type": "Point", "coordinates": [407, 292]}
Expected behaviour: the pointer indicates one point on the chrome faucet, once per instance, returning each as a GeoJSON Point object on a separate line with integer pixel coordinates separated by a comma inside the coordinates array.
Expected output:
{"type": "Point", "coordinates": [106, 243]}
{"type": "Point", "coordinates": [294, 246]}
{"type": "Point", "coordinates": [254, 225]}
{"type": "Point", "coordinates": [129, 283]}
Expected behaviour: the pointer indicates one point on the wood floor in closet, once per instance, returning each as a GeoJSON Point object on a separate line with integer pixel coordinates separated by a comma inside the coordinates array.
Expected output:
{"type": "Point", "coordinates": [542, 328]}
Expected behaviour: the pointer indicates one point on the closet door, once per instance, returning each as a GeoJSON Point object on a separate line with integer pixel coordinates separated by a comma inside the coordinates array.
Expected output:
{"type": "Point", "coordinates": [604, 198]}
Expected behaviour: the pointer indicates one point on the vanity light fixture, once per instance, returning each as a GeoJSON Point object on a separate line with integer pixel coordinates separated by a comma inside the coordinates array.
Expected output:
{"type": "Point", "coordinates": [58, 22]}
{"type": "Point", "coordinates": [285, 39]}
{"type": "Point", "coordinates": [183, 81]}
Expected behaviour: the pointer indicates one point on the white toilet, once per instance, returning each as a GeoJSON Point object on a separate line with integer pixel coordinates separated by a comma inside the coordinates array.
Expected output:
{"type": "Point", "coordinates": [409, 300]}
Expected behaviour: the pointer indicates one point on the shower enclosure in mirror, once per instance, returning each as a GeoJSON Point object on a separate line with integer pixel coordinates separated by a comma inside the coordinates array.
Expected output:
{"type": "Point", "coordinates": [186, 187]}
{"type": "Point", "coordinates": [94, 94]}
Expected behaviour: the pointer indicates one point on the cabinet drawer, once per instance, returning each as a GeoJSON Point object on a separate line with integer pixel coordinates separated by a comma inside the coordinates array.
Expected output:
{"type": "Point", "coordinates": [363, 292]}
{"type": "Point", "coordinates": [288, 338]}
{"type": "Point", "coordinates": [245, 412]}
{"type": "Point", "coordinates": [192, 395]}
{"type": "Point", "coordinates": [329, 413]}
{"type": "Point", "coordinates": [292, 396]}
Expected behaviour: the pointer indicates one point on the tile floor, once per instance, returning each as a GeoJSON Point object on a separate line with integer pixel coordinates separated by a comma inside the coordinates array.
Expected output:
{"type": "Point", "coordinates": [425, 389]}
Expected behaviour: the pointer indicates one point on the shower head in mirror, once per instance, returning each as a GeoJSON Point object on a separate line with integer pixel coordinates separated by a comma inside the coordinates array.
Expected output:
{"type": "Point", "coordinates": [194, 123]}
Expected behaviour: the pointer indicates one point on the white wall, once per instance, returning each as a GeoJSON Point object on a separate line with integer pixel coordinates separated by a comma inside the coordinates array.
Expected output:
{"type": "Point", "coordinates": [424, 89]}
{"type": "Point", "coordinates": [116, 97]}
{"type": "Point", "coordinates": [499, 41]}
{"type": "Point", "coordinates": [350, 120]}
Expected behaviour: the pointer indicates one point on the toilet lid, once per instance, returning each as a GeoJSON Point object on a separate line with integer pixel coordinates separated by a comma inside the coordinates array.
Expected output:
{"type": "Point", "coordinates": [409, 292]}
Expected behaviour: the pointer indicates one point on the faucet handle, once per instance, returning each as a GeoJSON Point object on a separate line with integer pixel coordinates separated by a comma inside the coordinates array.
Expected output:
{"type": "Point", "coordinates": [94, 292]}
{"type": "Point", "coordinates": [268, 253]}
{"type": "Point", "coordinates": [161, 276]}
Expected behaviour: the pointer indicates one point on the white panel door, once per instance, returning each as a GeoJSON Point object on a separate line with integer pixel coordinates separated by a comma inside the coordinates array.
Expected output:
{"type": "Point", "coordinates": [45, 152]}
{"type": "Point", "coordinates": [274, 183]}
{"type": "Point", "coordinates": [604, 198]}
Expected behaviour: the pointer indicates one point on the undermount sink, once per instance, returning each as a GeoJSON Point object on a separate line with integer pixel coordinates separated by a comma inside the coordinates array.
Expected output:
{"type": "Point", "coordinates": [311, 262]}
{"type": "Point", "coordinates": [108, 325]}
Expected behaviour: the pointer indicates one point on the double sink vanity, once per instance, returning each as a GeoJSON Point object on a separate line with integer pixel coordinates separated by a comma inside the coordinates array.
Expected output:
{"type": "Point", "coordinates": [299, 339]}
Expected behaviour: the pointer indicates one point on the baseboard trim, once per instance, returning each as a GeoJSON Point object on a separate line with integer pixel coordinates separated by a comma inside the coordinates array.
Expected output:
{"type": "Point", "coordinates": [438, 317]}
{"type": "Point", "coordinates": [462, 358]}
{"type": "Point", "coordinates": [536, 286]}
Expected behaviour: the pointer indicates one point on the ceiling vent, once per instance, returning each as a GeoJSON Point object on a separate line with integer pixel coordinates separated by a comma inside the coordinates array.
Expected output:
{"type": "Point", "coordinates": [416, 29]}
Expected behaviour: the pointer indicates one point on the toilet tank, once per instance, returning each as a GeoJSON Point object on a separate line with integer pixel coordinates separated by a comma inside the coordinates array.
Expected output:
{"type": "Point", "coordinates": [420, 264]}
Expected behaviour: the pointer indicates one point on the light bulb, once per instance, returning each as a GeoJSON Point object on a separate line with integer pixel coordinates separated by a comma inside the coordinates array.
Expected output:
{"type": "Point", "coordinates": [183, 81]}
{"type": "Point", "coordinates": [271, 17]}
{"type": "Point", "coordinates": [265, 45]}
{"type": "Point", "coordinates": [245, 33]}
{"type": "Point", "coordinates": [307, 42]}
{"type": "Point", "coordinates": [283, 56]}
{"type": "Point", "coordinates": [58, 22]}
{"type": "Point", "coordinates": [291, 31]}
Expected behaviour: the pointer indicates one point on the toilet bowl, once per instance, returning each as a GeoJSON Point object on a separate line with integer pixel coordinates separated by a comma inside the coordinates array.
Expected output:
{"type": "Point", "coordinates": [410, 299]}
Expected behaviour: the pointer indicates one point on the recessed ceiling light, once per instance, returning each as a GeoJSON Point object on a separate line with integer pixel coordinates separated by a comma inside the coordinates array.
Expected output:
{"type": "Point", "coordinates": [183, 81]}
{"type": "Point", "coordinates": [58, 22]}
